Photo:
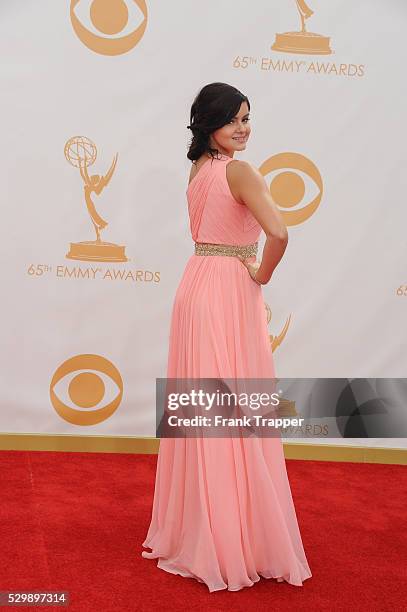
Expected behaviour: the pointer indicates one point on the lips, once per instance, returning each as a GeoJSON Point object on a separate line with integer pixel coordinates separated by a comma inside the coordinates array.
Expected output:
{"type": "Point", "coordinates": [242, 139]}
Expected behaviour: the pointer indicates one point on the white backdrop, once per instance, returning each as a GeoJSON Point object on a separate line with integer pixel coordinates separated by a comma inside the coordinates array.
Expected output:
{"type": "Point", "coordinates": [130, 94]}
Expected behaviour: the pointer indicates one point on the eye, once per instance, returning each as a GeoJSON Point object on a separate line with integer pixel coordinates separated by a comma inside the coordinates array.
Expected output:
{"type": "Point", "coordinates": [109, 28]}
{"type": "Point", "coordinates": [243, 120]}
{"type": "Point", "coordinates": [293, 174]}
{"type": "Point", "coordinates": [86, 389]}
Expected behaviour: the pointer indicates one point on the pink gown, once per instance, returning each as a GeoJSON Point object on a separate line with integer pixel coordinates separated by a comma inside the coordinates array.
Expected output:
{"type": "Point", "coordinates": [223, 512]}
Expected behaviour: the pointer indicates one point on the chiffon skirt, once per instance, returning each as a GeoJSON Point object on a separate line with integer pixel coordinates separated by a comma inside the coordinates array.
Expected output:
{"type": "Point", "coordinates": [223, 512]}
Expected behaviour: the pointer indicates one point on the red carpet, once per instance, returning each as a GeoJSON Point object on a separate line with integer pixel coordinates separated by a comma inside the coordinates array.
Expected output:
{"type": "Point", "coordinates": [75, 522]}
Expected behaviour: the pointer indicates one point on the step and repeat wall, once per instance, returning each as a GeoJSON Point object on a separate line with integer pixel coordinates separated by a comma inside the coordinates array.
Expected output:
{"type": "Point", "coordinates": [95, 101]}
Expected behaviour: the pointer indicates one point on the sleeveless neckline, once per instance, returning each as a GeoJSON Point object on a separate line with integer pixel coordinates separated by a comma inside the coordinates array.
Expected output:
{"type": "Point", "coordinates": [204, 164]}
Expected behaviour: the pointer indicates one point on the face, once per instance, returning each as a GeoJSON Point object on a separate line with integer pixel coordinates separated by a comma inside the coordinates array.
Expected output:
{"type": "Point", "coordinates": [234, 135]}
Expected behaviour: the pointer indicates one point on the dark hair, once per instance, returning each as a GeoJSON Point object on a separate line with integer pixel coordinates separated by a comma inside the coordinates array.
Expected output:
{"type": "Point", "coordinates": [214, 106]}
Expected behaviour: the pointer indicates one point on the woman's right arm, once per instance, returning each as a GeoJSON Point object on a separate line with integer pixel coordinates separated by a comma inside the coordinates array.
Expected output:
{"type": "Point", "coordinates": [252, 190]}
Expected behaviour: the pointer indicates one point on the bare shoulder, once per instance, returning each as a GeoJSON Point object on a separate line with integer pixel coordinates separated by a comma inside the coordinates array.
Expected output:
{"type": "Point", "coordinates": [241, 170]}
{"type": "Point", "coordinates": [242, 175]}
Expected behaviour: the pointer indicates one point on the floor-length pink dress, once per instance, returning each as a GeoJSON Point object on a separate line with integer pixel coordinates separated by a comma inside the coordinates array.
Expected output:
{"type": "Point", "coordinates": [223, 512]}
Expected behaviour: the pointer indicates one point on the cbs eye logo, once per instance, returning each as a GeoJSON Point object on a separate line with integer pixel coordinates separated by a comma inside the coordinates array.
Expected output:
{"type": "Point", "coordinates": [109, 27]}
{"type": "Point", "coordinates": [288, 187]}
{"type": "Point", "coordinates": [86, 389]}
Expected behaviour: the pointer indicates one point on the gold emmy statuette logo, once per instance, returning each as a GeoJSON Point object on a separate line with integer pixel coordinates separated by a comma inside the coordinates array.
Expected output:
{"type": "Point", "coordinates": [287, 408]}
{"type": "Point", "coordinates": [109, 27]}
{"type": "Point", "coordinates": [81, 153]}
{"type": "Point", "coordinates": [304, 42]}
{"type": "Point", "coordinates": [86, 389]}
{"type": "Point", "coordinates": [288, 188]}
{"type": "Point", "coordinates": [275, 341]}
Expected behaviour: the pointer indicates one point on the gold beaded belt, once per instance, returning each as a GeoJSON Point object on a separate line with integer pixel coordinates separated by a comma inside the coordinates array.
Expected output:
{"type": "Point", "coordinates": [245, 251]}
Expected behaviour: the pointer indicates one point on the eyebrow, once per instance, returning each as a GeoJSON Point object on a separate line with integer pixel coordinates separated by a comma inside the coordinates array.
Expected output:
{"type": "Point", "coordinates": [242, 117]}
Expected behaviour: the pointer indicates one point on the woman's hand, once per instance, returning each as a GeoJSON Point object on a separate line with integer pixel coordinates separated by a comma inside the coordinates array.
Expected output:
{"type": "Point", "coordinates": [252, 267]}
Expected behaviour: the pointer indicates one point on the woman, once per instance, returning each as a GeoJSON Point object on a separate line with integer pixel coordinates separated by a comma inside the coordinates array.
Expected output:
{"type": "Point", "coordinates": [223, 512]}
